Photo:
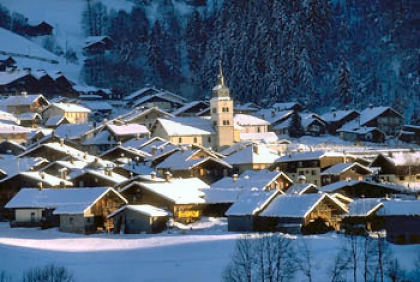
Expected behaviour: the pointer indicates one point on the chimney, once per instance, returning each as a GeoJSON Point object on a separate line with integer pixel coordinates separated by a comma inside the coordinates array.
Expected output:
{"type": "Point", "coordinates": [42, 174]}
{"type": "Point", "coordinates": [256, 149]}
{"type": "Point", "coordinates": [63, 173]}
{"type": "Point", "coordinates": [235, 177]}
{"type": "Point", "coordinates": [61, 142]}
{"type": "Point", "coordinates": [40, 186]}
{"type": "Point", "coordinates": [302, 179]}
{"type": "Point", "coordinates": [153, 150]}
{"type": "Point", "coordinates": [168, 176]}
{"type": "Point", "coordinates": [370, 106]}
{"type": "Point", "coordinates": [153, 175]}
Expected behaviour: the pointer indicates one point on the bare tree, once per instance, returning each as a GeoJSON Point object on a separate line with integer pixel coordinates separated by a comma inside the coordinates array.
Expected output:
{"type": "Point", "coordinates": [341, 264]}
{"type": "Point", "coordinates": [49, 273]}
{"type": "Point", "coordinates": [304, 259]}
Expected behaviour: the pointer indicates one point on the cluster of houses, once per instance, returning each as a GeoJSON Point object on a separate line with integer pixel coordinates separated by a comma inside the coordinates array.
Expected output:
{"type": "Point", "coordinates": [63, 165]}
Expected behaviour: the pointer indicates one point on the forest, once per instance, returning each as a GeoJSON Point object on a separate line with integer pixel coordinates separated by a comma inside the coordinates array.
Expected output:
{"type": "Point", "coordinates": [320, 53]}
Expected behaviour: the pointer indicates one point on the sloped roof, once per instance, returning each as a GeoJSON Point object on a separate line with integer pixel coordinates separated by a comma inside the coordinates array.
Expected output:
{"type": "Point", "coordinates": [249, 120]}
{"type": "Point", "coordinates": [300, 188]}
{"type": "Point", "coordinates": [400, 208]}
{"type": "Point", "coordinates": [9, 77]}
{"type": "Point", "coordinates": [366, 116]}
{"type": "Point", "coordinates": [64, 201]}
{"type": "Point", "coordinates": [187, 126]}
{"type": "Point", "coordinates": [251, 202]}
{"type": "Point", "coordinates": [285, 106]}
{"type": "Point", "coordinates": [337, 115]}
{"type": "Point", "coordinates": [13, 129]}
{"type": "Point", "coordinates": [296, 206]}
{"type": "Point", "coordinates": [253, 154]}
{"type": "Point", "coordinates": [69, 107]}
{"type": "Point", "coordinates": [5, 116]}
{"type": "Point", "coordinates": [22, 100]}
{"type": "Point", "coordinates": [142, 112]}
{"type": "Point", "coordinates": [348, 183]}
{"type": "Point", "coordinates": [342, 167]}
{"type": "Point", "coordinates": [54, 120]}
{"type": "Point", "coordinates": [312, 155]}
{"type": "Point", "coordinates": [266, 137]}
{"type": "Point", "coordinates": [148, 210]}
{"type": "Point", "coordinates": [46, 178]}
{"type": "Point", "coordinates": [72, 131]}
{"type": "Point", "coordinates": [128, 129]}
{"type": "Point", "coordinates": [364, 207]}
{"type": "Point", "coordinates": [188, 106]}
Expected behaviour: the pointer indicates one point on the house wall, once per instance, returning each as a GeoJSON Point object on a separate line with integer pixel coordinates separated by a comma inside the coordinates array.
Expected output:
{"type": "Point", "coordinates": [72, 117]}
{"type": "Point", "coordinates": [254, 128]}
{"type": "Point", "coordinates": [241, 223]}
{"type": "Point", "coordinates": [77, 224]}
{"type": "Point", "coordinates": [25, 215]}
{"type": "Point", "coordinates": [136, 223]}
{"type": "Point", "coordinates": [403, 229]}
{"type": "Point", "coordinates": [202, 140]}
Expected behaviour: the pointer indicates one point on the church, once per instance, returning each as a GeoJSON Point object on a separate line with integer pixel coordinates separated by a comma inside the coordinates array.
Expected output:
{"type": "Point", "coordinates": [217, 131]}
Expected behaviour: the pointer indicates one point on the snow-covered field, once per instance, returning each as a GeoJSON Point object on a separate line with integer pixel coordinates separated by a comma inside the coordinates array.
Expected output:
{"type": "Point", "coordinates": [198, 252]}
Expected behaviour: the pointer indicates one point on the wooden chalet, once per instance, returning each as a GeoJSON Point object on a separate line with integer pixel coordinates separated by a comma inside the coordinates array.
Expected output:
{"type": "Point", "coordinates": [345, 171]}
{"type": "Point", "coordinates": [144, 116]}
{"type": "Point", "coordinates": [191, 109]}
{"type": "Point", "coordinates": [363, 189]}
{"type": "Point", "coordinates": [25, 103]}
{"type": "Point", "coordinates": [11, 148]}
{"type": "Point", "coordinates": [337, 118]}
{"type": "Point", "coordinates": [139, 219]}
{"type": "Point", "coordinates": [73, 112]}
{"type": "Point", "coordinates": [402, 221]}
{"type": "Point", "coordinates": [301, 214]}
{"type": "Point", "coordinates": [15, 82]}
{"type": "Point", "coordinates": [400, 168]}
{"type": "Point", "coordinates": [16, 133]}
{"type": "Point", "coordinates": [182, 197]}
{"type": "Point", "coordinates": [309, 164]}
{"type": "Point", "coordinates": [83, 211]}
{"type": "Point", "coordinates": [363, 216]}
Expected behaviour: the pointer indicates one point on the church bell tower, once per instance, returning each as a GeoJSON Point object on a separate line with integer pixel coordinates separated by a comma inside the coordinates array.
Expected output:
{"type": "Point", "coordinates": [222, 113]}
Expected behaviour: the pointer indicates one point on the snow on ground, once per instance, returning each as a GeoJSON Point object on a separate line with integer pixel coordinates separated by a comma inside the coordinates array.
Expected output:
{"type": "Point", "coordinates": [196, 252]}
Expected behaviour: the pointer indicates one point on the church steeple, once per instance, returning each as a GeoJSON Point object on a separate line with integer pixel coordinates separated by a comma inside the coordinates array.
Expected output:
{"type": "Point", "coordinates": [220, 90]}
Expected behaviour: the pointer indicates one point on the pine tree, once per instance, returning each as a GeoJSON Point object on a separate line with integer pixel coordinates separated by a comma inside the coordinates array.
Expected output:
{"type": "Point", "coordinates": [296, 129]}
{"type": "Point", "coordinates": [344, 87]}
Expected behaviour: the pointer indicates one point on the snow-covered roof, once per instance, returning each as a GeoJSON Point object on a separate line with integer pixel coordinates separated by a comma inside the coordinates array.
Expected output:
{"type": "Point", "coordinates": [29, 116]}
{"type": "Point", "coordinates": [400, 159]}
{"type": "Point", "coordinates": [103, 137]}
{"type": "Point", "coordinates": [366, 116]}
{"type": "Point", "coordinates": [46, 178]}
{"type": "Point", "coordinates": [251, 202]}
{"type": "Point", "coordinates": [296, 206]}
{"type": "Point", "coordinates": [342, 167]}
{"type": "Point", "coordinates": [148, 210]}
{"type": "Point", "coordinates": [5, 116]}
{"type": "Point", "coordinates": [64, 201]}
{"type": "Point", "coordinates": [187, 126]}
{"type": "Point", "coordinates": [300, 188]}
{"type": "Point", "coordinates": [188, 106]}
{"type": "Point", "coordinates": [285, 106]}
{"type": "Point", "coordinates": [72, 131]}
{"type": "Point", "coordinates": [22, 100]}
{"type": "Point", "coordinates": [13, 129]}
{"type": "Point", "coordinates": [311, 155]}
{"type": "Point", "coordinates": [70, 107]}
{"type": "Point", "coordinates": [337, 115]}
{"type": "Point", "coordinates": [364, 207]}
{"type": "Point", "coordinates": [400, 207]}
{"type": "Point", "coordinates": [128, 129]}
{"type": "Point", "coordinates": [137, 112]}
{"type": "Point", "coordinates": [257, 153]}
{"type": "Point", "coordinates": [348, 183]}
{"type": "Point", "coordinates": [12, 165]}
{"type": "Point", "coordinates": [249, 120]}
{"type": "Point", "coordinates": [100, 173]}
{"type": "Point", "coordinates": [265, 137]}
{"type": "Point", "coordinates": [177, 190]}
{"type": "Point", "coordinates": [54, 120]}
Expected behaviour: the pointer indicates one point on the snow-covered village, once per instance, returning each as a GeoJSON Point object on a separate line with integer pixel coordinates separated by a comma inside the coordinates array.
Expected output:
{"type": "Point", "coordinates": [209, 140]}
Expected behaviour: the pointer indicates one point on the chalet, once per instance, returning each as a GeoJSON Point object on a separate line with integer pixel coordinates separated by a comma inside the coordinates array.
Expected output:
{"type": "Point", "coordinates": [16, 133]}
{"type": "Point", "coordinates": [78, 210]}
{"type": "Point", "coordinates": [223, 193]}
{"type": "Point", "coordinates": [144, 94]}
{"type": "Point", "coordinates": [345, 171]}
{"type": "Point", "coordinates": [8, 118]}
{"type": "Point", "coordinates": [337, 118]}
{"type": "Point", "coordinates": [250, 124]}
{"type": "Point", "coordinates": [305, 214]}
{"type": "Point", "coordinates": [94, 177]}
{"type": "Point", "coordinates": [363, 216]}
{"type": "Point", "coordinates": [410, 134]}
{"type": "Point", "coordinates": [313, 124]}
{"type": "Point", "coordinates": [301, 188]}
{"type": "Point", "coordinates": [402, 221]}
{"type": "Point", "coordinates": [385, 119]}
{"type": "Point", "coordinates": [295, 106]}
{"type": "Point", "coordinates": [257, 156]}
{"type": "Point", "coordinates": [11, 148]}
{"type": "Point", "coordinates": [7, 63]}
{"type": "Point", "coordinates": [363, 188]}
{"type": "Point", "coordinates": [242, 215]}
{"type": "Point", "coordinates": [138, 219]}
{"type": "Point", "coordinates": [248, 108]}
{"type": "Point", "coordinates": [195, 163]}
{"type": "Point", "coordinates": [46, 83]}
{"type": "Point", "coordinates": [162, 100]}
{"type": "Point", "coordinates": [30, 120]}
{"type": "Point", "coordinates": [121, 152]}
{"type": "Point", "coordinates": [399, 168]}
{"type": "Point", "coordinates": [309, 164]}
{"type": "Point", "coordinates": [366, 134]}
{"type": "Point", "coordinates": [73, 112]}
{"type": "Point", "coordinates": [15, 82]}
{"type": "Point", "coordinates": [72, 132]}
{"type": "Point", "coordinates": [41, 29]}
{"type": "Point", "coordinates": [182, 197]}
{"type": "Point", "coordinates": [12, 184]}
{"type": "Point", "coordinates": [191, 109]}
{"type": "Point", "coordinates": [24, 103]}
{"type": "Point", "coordinates": [97, 44]}
{"type": "Point", "coordinates": [146, 117]}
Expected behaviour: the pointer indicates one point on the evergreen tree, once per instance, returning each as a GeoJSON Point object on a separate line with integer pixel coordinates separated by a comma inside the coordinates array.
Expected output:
{"type": "Point", "coordinates": [344, 87]}
{"type": "Point", "coordinates": [296, 129]}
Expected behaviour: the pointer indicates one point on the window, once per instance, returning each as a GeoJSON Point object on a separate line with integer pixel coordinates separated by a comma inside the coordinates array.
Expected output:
{"type": "Point", "coordinates": [225, 122]}
{"type": "Point", "coordinates": [214, 123]}
{"type": "Point", "coordinates": [213, 110]}
{"type": "Point", "coordinates": [71, 220]}
{"type": "Point", "coordinates": [313, 172]}
{"type": "Point", "coordinates": [179, 140]}
{"type": "Point", "coordinates": [195, 139]}
{"type": "Point", "coordinates": [402, 177]}
{"type": "Point", "coordinates": [209, 139]}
